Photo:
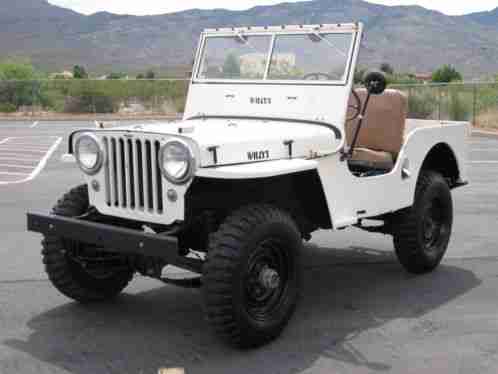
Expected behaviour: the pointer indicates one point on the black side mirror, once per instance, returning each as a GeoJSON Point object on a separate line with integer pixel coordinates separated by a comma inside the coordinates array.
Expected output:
{"type": "Point", "coordinates": [375, 82]}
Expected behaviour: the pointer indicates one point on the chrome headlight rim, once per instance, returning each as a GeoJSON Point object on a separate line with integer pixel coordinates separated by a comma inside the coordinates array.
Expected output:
{"type": "Point", "coordinates": [189, 174]}
{"type": "Point", "coordinates": [100, 154]}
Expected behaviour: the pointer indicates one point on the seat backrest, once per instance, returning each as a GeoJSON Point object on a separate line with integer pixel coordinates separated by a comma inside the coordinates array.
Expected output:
{"type": "Point", "coordinates": [384, 124]}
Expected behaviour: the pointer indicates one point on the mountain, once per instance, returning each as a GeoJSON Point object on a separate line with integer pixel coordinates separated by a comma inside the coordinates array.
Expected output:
{"type": "Point", "coordinates": [485, 18]}
{"type": "Point", "coordinates": [411, 38]}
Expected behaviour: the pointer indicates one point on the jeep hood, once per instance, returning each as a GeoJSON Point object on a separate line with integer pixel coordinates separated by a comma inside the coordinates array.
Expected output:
{"type": "Point", "coordinates": [233, 141]}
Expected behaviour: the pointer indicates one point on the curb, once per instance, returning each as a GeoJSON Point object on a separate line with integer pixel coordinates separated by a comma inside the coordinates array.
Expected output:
{"type": "Point", "coordinates": [485, 134]}
{"type": "Point", "coordinates": [88, 118]}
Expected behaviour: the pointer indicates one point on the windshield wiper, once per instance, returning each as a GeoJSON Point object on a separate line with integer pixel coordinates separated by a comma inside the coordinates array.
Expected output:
{"type": "Point", "coordinates": [315, 37]}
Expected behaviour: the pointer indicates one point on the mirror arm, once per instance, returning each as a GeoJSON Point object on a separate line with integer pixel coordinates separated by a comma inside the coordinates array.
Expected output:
{"type": "Point", "coordinates": [361, 118]}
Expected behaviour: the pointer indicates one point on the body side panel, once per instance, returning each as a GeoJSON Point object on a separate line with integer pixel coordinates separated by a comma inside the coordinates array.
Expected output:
{"type": "Point", "coordinates": [351, 198]}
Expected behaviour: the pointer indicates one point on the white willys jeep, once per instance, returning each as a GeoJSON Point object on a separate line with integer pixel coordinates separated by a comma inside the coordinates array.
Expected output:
{"type": "Point", "coordinates": [275, 144]}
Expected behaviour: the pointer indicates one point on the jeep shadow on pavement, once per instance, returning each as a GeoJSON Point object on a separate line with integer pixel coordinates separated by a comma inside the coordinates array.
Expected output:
{"type": "Point", "coordinates": [164, 327]}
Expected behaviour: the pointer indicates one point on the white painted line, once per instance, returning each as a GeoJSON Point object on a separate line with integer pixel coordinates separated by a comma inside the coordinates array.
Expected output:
{"type": "Point", "coordinates": [34, 125]}
{"type": "Point", "coordinates": [10, 173]}
{"type": "Point", "coordinates": [34, 161]}
{"type": "Point", "coordinates": [40, 166]}
{"type": "Point", "coordinates": [4, 141]}
{"type": "Point", "coordinates": [484, 162]}
{"type": "Point", "coordinates": [21, 157]}
{"type": "Point", "coordinates": [35, 137]}
{"type": "Point", "coordinates": [484, 150]}
{"type": "Point", "coordinates": [30, 145]}
{"type": "Point", "coordinates": [17, 166]}
{"type": "Point", "coordinates": [37, 150]}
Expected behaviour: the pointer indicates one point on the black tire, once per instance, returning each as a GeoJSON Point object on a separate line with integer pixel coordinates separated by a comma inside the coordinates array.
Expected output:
{"type": "Point", "coordinates": [68, 275]}
{"type": "Point", "coordinates": [422, 232]}
{"type": "Point", "coordinates": [254, 242]}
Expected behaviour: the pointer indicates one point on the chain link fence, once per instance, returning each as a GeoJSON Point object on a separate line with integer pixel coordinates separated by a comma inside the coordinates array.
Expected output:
{"type": "Point", "coordinates": [477, 103]}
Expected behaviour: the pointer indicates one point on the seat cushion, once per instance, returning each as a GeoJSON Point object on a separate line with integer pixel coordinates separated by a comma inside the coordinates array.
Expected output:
{"type": "Point", "coordinates": [384, 124]}
{"type": "Point", "coordinates": [371, 159]}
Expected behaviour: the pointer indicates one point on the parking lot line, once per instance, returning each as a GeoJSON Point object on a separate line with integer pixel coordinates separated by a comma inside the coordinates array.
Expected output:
{"type": "Point", "coordinates": [18, 159]}
{"type": "Point", "coordinates": [484, 162]}
{"type": "Point", "coordinates": [17, 166]}
{"type": "Point", "coordinates": [34, 124]}
{"type": "Point", "coordinates": [4, 140]}
{"type": "Point", "coordinates": [21, 157]}
{"type": "Point", "coordinates": [11, 173]}
{"type": "Point", "coordinates": [36, 168]}
{"type": "Point", "coordinates": [31, 150]}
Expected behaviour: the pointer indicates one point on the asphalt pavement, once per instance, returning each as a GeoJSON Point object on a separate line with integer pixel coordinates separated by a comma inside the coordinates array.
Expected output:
{"type": "Point", "coordinates": [359, 313]}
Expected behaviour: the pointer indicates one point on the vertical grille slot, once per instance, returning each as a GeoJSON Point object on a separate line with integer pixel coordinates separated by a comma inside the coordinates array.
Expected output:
{"type": "Point", "coordinates": [112, 172]}
{"type": "Point", "coordinates": [106, 173]}
{"type": "Point", "coordinates": [129, 173]}
{"type": "Point", "coordinates": [159, 179]}
{"type": "Point", "coordinates": [150, 181]}
{"type": "Point", "coordinates": [120, 173]}
{"type": "Point", "coordinates": [133, 178]}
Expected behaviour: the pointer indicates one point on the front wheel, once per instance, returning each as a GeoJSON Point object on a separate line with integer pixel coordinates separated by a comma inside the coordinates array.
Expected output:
{"type": "Point", "coordinates": [422, 232]}
{"type": "Point", "coordinates": [251, 277]}
{"type": "Point", "coordinates": [78, 270]}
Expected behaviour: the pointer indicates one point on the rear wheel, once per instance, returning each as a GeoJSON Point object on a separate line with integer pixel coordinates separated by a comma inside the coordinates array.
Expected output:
{"type": "Point", "coordinates": [78, 270]}
{"type": "Point", "coordinates": [422, 232]}
{"type": "Point", "coordinates": [251, 277]}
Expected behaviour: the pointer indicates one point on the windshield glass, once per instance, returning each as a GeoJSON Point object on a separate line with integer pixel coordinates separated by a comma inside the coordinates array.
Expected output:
{"type": "Point", "coordinates": [310, 57]}
{"type": "Point", "coordinates": [297, 57]}
{"type": "Point", "coordinates": [236, 57]}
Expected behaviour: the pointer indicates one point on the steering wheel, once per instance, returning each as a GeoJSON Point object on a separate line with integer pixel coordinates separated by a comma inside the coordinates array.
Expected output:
{"type": "Point", "coordinates": [316, 76]}
{"type": "Point", "coordinates": [356, 106]}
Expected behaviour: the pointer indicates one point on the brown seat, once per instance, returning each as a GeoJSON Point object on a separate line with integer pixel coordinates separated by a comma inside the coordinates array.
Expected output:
{"type": "Point", "coordinates": [381, 135]}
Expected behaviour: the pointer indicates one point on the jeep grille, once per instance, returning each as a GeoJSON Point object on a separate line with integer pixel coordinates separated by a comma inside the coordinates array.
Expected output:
{"type": "Point", "coordinates": [133, 179]}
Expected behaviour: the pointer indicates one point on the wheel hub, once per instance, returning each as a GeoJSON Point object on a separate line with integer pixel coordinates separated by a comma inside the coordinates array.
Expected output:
{"type": "Point", "coordinates": [269, 278]}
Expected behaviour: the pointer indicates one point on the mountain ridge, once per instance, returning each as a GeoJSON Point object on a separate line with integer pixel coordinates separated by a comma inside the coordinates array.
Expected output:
{"type": "Point", "coordinates": [411, 38]}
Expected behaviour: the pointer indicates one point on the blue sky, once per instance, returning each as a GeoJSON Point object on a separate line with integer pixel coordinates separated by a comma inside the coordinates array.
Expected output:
{"type": "Point", "coordinates": [167, 6]}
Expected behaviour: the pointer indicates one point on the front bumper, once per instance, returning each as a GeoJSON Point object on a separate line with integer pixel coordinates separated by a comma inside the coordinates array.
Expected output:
{"type": "Point", "coordinates": [113, 239]}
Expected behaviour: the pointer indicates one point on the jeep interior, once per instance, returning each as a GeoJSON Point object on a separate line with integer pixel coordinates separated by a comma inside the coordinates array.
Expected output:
{"type": "Point", "coordinates": [381, 135]}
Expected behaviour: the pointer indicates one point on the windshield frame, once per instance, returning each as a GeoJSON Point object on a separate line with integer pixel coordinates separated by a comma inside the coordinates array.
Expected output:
{"type": "Point", "coordinates": [349, 29]}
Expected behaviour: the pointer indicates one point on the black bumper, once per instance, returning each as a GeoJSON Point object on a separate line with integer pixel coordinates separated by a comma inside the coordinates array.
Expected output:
{"type": "Point", "coordinates": [113, 239]}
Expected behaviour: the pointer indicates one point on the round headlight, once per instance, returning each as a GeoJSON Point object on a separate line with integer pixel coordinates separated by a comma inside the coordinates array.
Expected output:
{"type": "Point", "coordinates": [177, 162]}
{"type": "Point", "coordinates": [89, 153]}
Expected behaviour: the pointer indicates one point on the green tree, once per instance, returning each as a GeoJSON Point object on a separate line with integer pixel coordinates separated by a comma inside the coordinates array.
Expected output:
{"type": "Point", "coordinates": [13, 70]}
{"type": "Point", "coordinates": [446, 74]}
{"type": "Point", "coordinates": [231, 67]}
{"type": "Point", "coordinates": [19, 85]}
{"type": "Point", "coordinates": [150, 74]}
{"type": "Point", "coordinates": [387, 68]}
{"type": "Point", "coordinates": [79, 72]}
{"type": "Point", "coordinates": [140, 76]}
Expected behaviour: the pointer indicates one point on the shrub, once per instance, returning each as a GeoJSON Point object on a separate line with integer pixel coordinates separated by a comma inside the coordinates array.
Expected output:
{"type": "Point", "coordinates": [90, 103]}
{"type": "Point", "coordinates": [420, 106]}
{"type": "Point", "coordinates": [88, 97]}
{"type": "Point", "coordinates": [459, 109]}
{"type": "Point", "coordinates": [7, 108]}
{"type": "Point", "coordinates": [446, 74]}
